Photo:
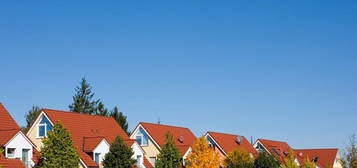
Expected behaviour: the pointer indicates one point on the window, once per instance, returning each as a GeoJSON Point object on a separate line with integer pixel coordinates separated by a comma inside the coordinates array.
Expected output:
{"type": "Point", "coordinates": [139, 139]}
{"type": "Point", "coordinates": [138, 160]}
{"type": "Point", "coordinates": [10, 152]}
{"type": "Point", "coordinates": [43, 127]}
{"type": "Point", "coordinates": [153, 160]}
{"type": "Point", "coordinates": [96, 158]}
{"type": "Point", "coordinates": [41, 130]}
{"type": "Point", "coordinates": [142, 138]}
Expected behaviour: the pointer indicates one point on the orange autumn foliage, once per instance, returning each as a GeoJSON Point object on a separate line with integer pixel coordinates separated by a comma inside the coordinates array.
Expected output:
{"type": "Point", "coordinates": [202, 156]}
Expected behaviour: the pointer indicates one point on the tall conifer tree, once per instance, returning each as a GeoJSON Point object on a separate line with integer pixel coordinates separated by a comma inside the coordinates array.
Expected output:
{"type": "Point", "coordinates": [120, 118]}
{"type": "Point", "coordinates": [169, 156]}
{"type": "Point", "coordinates": [101, 110]}
{"type": "Point", "coordinates": [83, 99]}
{"type": "Point", "coordinates": [119, 155]}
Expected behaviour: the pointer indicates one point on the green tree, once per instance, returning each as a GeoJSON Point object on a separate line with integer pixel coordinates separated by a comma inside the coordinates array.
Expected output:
{"type": "Point", "coordinates": [308, 163]}
{"type": "Point", "coordinates": [31, 116]}
{"type": "Point", "coordinates": [265, 160]}
{"type": "Point", "coordinates": [83, 99]}
{"type": "Point", "coordinates": [289, 161]}
{"type": "Point", "coordinates": [349, 158]}
{"type": "Point", "coordinates": [169, 156]}
{"type": "Point", "coordinates": [58, 150]}
{"type": "Point", "coordinates": [119, 155]}
{"type": "Point", "coordinates": [238, 158]}
{"type": "Point", "coordinates": [101, 110]}
{"type": "Point", "coordinates": [120, 118]}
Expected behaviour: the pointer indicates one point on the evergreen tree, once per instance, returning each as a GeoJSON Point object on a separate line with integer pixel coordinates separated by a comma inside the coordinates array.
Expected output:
{"type": "Point", "coordinates": [31, 116]}
{"type": "Point", "coordinates": [264, 160]}
{"type": "Point", "coordinates": [289, 161]}
{"type": "Point", "coordinates": [101, 110]}
{"type": "Point", "coordinates": [309, 164]}
{"type": "Point", "coordinates": [238, 158]}
{"type": "Point", "coordinates": [120, 118]}
{"type": "Point", "coordinates": [202, 156]}
{"type": "Point", "coordinates": [82, 100]}
{"type": "Point", "coordinates": [119, 155]}
{"type": "Point", "coordinates": [169, 156]}
{"type": "Point", "coordinates": [58, 150]}
{"type": "Point", "coordinates": [349, 159]}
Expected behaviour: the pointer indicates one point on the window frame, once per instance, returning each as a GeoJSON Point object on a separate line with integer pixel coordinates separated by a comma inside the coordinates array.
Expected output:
{"type": "Point", "coordinates": [8, 154]}
{"type": "Point", "coordinates": [95, 158]}
{"type": "Point", "coordinates": [40, 125]}
{"type": "Point", "coordinates": [138, 162]}
{"type": "Point", "coordinates": [151, 159]}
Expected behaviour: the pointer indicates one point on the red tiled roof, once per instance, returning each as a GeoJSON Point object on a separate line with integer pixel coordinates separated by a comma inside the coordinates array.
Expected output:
{"type": "Point", "coordinates": [6, 135]}
{"type": "Point", "coordinates": [229, 142]}
{"type": "Point", "coordinates": [7, 122]}
{"type": "Point", "coordinates": [8, 126]}
{"type": "Point", "coordinates": [147, 164]}
{"type": "Point", "coordinates": [10, 163]}
{"type": "Point", "coordinates": [183, 137]}
{"type": "Point", "coordinates": [325, 157]}
{"type": "Point", "coordinates": [90, 143]}
{"type": "Point", "coordinates": [35, 156]}
{"type": "Point", "coordinates": [277, 148]}
{"type": "Point", "coordinates": [85, 125]}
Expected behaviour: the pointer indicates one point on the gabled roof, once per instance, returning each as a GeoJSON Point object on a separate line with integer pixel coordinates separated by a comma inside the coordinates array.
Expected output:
{"type": "Point", "coordinates": [183, 137]}
{"type": "Point", "coordinates": [324, 157]}
{"type": "Point", "coordinates": [10, 163]}
{"type": "Point", "coordinates": [8, 126]}
{"type": "Point", "coordinates": [228, 142]}
{"type": "Point", "coordinates": [147, 164]}
{"type": "Point", "coordinates": [7, 122]}
{"type": "Point", "coordinates": [7, 135]}
{"type": "Point", "coordinates": [279, 149]}
{"type": "Point", "coordinates": [85, 125]}
{"type": "Point", "coordinates": [90, 143]}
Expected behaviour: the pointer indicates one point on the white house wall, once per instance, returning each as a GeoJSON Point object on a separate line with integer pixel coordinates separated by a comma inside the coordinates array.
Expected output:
{"type": "Point", "coordinates": [102, 148]}
{"type": "Point", "coordinates": [138, 151]}
{"type": "Point", "coordinates": [19, 142]}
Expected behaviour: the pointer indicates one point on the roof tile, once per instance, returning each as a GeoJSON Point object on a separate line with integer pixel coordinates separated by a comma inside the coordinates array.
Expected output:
{"type": "Point", "coordinates": [183, 137]}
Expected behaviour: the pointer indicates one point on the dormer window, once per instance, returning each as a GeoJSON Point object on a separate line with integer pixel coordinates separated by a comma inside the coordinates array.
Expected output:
{"type": "Point", "coordinates": [43, 127]}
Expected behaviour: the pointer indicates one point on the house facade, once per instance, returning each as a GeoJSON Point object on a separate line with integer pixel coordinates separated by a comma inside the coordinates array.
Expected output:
{"type": "Point", "coordinates": [224, 143]}
{"type": "Point", "coordinates": [19, 151]}
{"type": "Point", "coordinates": [323, 158]}
{"type": "Point", "coordinates": [152, 137]}
{"type": "Point", "coordinates": [91, 135]}
{"type": "Point", "coordinates": [278, 149]}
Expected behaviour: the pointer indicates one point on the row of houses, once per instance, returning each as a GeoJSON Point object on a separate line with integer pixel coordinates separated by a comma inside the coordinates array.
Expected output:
{"type": "Point", "coordinates": [92, 136]}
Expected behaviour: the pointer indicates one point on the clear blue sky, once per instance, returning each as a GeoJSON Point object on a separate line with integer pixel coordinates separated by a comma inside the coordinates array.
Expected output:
{"type": "Point", "coordinates": [269, 69]}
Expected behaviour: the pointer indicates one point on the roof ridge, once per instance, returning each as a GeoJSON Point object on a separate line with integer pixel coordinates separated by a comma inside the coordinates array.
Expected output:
{"type": "Point", "coordinates": [224, 133]}
{"type": "Point", "coordinates": [74, 113]}
{"type": "Point", "coordinates": [163, 125]}
{"type": "Point", "coordinates": [272, 140]}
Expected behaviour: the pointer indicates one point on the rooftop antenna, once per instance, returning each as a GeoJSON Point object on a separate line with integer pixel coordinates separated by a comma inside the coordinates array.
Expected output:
{"type": "Point", "coordinates": [158, 121]}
